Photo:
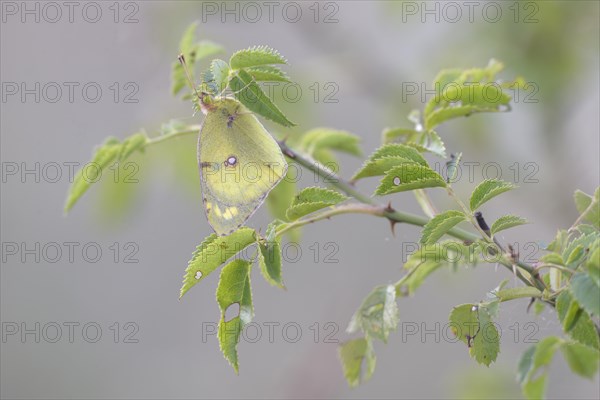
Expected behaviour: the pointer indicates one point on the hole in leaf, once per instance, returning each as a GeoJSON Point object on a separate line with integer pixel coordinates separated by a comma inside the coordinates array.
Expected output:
{"type": "Point", "coordinates": [397, 181]}
{"type": "Point", "coordinates": [198, 275]}
{"type": "Point", "coordinates": [232, 311]}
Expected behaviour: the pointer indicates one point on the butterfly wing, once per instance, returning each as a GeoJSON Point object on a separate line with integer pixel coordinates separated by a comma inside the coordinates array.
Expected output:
{"type": "Point", "coordinates": [239, 163]}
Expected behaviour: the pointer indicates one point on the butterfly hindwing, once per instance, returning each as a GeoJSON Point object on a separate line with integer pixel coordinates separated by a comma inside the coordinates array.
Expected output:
{"type": "Point", "coordinates": [239, 164]}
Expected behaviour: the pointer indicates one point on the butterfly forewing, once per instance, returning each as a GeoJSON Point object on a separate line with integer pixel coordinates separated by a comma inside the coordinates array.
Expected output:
{"type": "Point", "coordinates": [239, 164]}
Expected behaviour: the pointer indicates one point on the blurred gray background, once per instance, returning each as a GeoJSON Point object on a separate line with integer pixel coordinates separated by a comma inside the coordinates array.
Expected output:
{"type": "Point", "coordinates": [369, 50]}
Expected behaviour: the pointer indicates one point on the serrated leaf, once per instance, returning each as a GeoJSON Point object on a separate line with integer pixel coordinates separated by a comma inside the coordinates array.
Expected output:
{"type": "Point", "coordinates": [432, 142]}
{"type": "Point", "coordinates": [507, 222]}
{"type": "Point", "coordinates": [552, 258]}
{"type": "Point", "coordinates": [213, 252]}
{"type": "Point", "coordinates": [270, 262]}
{"type": "Point", "coordinates": [319, 142]}
{"type": "Point", "coordinates": [354, 355]}
{"type": "Point", "coordinates": [378, 313]}
{"type": "Point", "coordinates": [574, 248]}
{"type": "Point", "coordinates": [486, 344]}
{"type": "Point", "coordinates": [452, 167]}
{"type": "Point", "coordinates": [248, 92]}
{"type": "Point", "coordinates": [462, 93]}
{"type": "Point", "coordinates": [313, 199]}
{"type": "Point", "coordinates": [387, 157]}
{"type": "Point", "coordinates": [220, 74]}
{"type": "Point", "coordinates": [444, 114]}
{"type": "Point", "coordinates": [255, 56]}
{"type": "Point", "coordinates": [396, 135]}
{"type": "Point", "coordinates": [111, 152]}
{"type": "Point", "coordinates": [575, 321]}
{"type": "Point", "coordinates": [267, 73]}
{"type": "Point", "coordinates": [589, 207]}
{"type": "Point", "coordinates": [582, 360]}
{"type": "Point", "coordinates": [534, 358]}
{"type": "Point", "coordinates": [429, 258]}
{"type": "Point", "coordinates": [487, 190]}
{"type": "Point", "coordinates": [439, 225]}
{"type": "Point", "coordinates": [234, 288]}
{"type": "Point", "coordinates": [587, 292]}
{"type": "Point", "coordinates": [409, 177]}
{"type": "Point", "coordinates": [464, 322]}
{"type": "Point", "coordinates": [193, 52]}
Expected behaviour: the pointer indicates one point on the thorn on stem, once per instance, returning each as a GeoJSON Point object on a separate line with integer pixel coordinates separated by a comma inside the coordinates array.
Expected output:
{"type": "Point", "coordinates": [530, 304]}
{"type": "Point", "coordinates": [392, 226]}
{"type": "Point", "coordinates": [389, 208]}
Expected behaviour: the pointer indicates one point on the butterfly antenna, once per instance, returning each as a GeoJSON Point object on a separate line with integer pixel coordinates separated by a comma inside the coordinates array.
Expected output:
{"type": "Point", "coordinates": [190, 80]}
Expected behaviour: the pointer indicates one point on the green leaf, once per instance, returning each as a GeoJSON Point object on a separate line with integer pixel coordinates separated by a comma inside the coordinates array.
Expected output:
{"type": "Point", "coordinates": [464, 322]}
{"type": "Point", "coordinates": [552, 258]}
{"type": "Point", "coordinates": [313, 199]}
{"type": "Point", "coordinates": [409, 177]}
{"type": "Point", "coordinates": [439, 225]}
{"type": "Point", "coordinates": [387, 157]}
{"type": "Point", "coordinates": [575, 249]}
{"type": "Point", "coordinates": [582, 360]}
{"type": "Point", "coordinates": [452, 167]}
{"type": "Point", "coordinates": [354, 355]}
{"type": "Point", "coordinates": [593, 265]}
{"type": "Point", "coordinates": [213, 252]}
{"type": "Point", "coordinates": [544, 352]}
{"type": "Point", "coordinates": [525, 364]}
{"type": "Point", "coordinates": [429, 258]}
{"type": "Point", "coordinates": [396, 135]}
{"type": "Point", "coordinates": [234, 288]}
{"type": "Point", "coordinates": [270, 262]}
{"type": "Point", "coordinates": [472, 324]}
{"type": "Point", "coordinates": [319, 143]}
{"type": "Point", "coordinates": [255, 56]}
{"type": "Point", "coordinates": [462, 93]}
{"type": "Point", "coordinates": [220, 74]}
{"type": "Point", "coordinates": [430, 141]}
{"type": "Point", "coordinates": [507, 222]}
{"type": "Point", "coordinates": [575, 321]}
{"type": "Point", "coordinates": [589, 207]}
{"type": "Point", "coordinates": [378, 314]}
{"type": "Point", "coordinates": [517, 293]}
{"type": "Point", "coordinates": [268, 73]}
{"type": "Point", "coordinates": [535, 389]}
{"type": "Point", "coordinates": [487, 190]}
{"type": "Point", "coordinates": [534, 358]}
{"type": "Point", "coordinates": [193, 52]}
{"type": "Point", "coordinates": [248, 92]}
{"type": "Point", "coordinates": [587, 292]}
{"type": "Point", "coordinates": [445, 114]}
{"type": "Point", "coordinates": [486, 344]}
{"type": "Point", "coordinates": [186, 44]}
{"type": "Point", "coordinates": [111, 152]}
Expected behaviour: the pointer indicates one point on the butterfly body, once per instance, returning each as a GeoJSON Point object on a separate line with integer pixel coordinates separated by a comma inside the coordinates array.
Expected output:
{"type": "Point", "coordinates": [239, 163]}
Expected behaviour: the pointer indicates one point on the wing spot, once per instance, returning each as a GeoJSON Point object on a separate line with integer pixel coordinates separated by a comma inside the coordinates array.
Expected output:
{"type": "Point", "coordinates": [231, 161]}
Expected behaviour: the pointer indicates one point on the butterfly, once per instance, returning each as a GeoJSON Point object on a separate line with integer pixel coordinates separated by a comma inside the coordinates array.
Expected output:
{"type": "Point", "coordinates": [239, 163]}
